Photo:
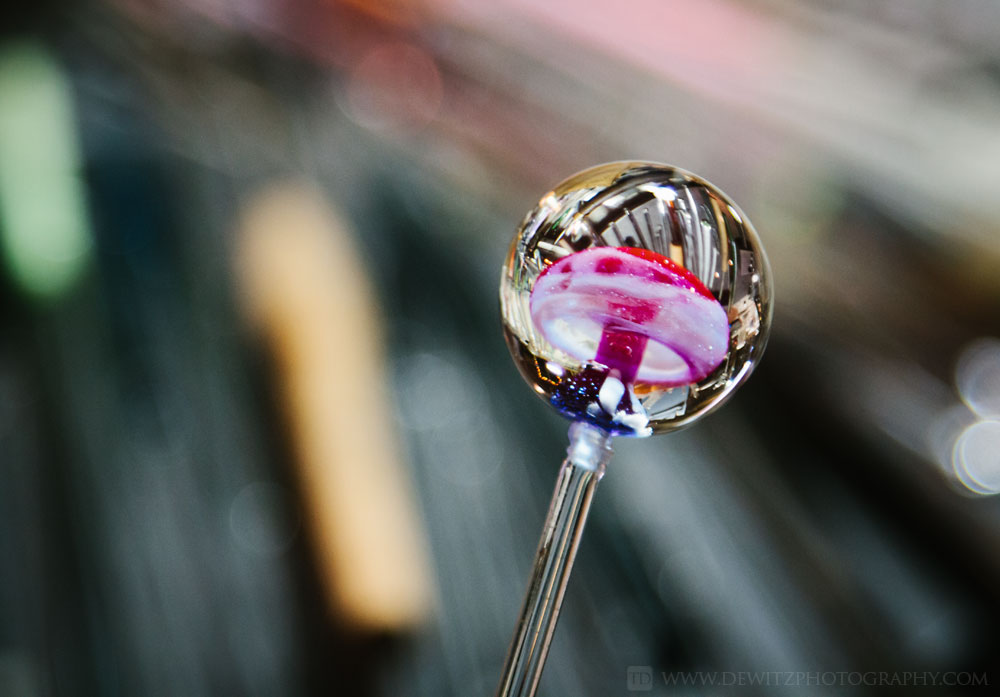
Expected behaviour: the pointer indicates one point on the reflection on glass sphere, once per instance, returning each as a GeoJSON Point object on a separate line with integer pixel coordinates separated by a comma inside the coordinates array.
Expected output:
{"type": "Point", "coordinates": [635, 296]}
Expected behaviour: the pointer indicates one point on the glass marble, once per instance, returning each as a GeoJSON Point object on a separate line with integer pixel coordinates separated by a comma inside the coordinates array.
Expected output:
{"type": "Point", "coordinates": [636, 297]}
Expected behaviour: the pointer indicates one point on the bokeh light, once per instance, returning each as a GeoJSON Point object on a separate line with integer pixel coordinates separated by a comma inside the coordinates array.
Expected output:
{"type": "Point", "coordinates": [394, 87]}
{"type": "Point", "coordinates": [977, 457]}
{"type": "Point", "coordinates": [43, 213]}
{"type": "Point", "coordinates": [977, 377]}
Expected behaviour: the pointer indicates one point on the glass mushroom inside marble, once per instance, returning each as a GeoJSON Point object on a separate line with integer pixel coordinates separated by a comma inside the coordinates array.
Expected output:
{"type": "Point", "coordinates": [631, 316]}
{"type": "Point", "coordinates": [635, 299]}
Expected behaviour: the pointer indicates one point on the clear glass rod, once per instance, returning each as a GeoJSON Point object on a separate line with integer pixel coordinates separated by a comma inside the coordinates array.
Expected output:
{"type": "Point", "coordinates": [586, 458]}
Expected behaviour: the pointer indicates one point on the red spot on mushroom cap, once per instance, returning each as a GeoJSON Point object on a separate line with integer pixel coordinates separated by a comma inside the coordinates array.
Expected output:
{"type": "Point", "coordinates": [635, 311]}
{"type": "Point", "coordinates": [609, 265]}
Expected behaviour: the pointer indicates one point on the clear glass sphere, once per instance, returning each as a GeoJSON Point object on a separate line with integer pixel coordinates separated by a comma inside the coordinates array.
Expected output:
{"type": "Point", "coordinates": [635, 296]}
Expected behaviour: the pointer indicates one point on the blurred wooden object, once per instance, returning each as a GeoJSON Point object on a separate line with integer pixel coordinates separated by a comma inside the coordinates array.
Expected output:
{"type": "Point", "coordinates": [305, 289]}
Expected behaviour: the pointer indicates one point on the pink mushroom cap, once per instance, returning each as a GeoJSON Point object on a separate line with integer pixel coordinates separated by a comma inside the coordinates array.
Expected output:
{"type": "Point", "coordinates": [639, 311]}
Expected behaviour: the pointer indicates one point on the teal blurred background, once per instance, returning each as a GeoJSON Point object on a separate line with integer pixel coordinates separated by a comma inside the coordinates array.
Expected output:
{"type": "Point", "coordinates": [259, 433]}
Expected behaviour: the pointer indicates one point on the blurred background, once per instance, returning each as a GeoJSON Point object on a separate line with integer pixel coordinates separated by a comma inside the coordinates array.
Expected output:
{"type": "Point", "coordinates": [259, 432]}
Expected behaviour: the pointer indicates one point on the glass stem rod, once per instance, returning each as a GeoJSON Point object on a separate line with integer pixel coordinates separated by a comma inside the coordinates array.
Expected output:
{"type": "Point", "coordinates": [586, 458]}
